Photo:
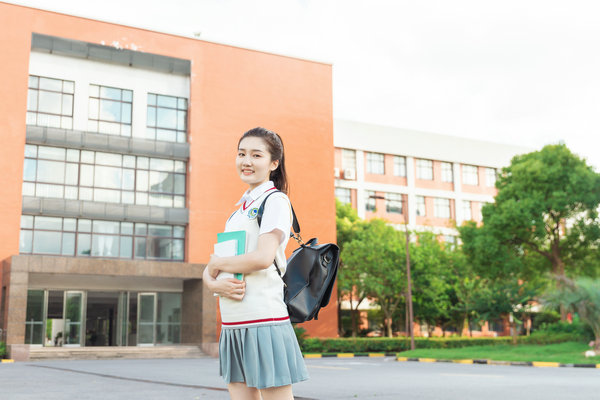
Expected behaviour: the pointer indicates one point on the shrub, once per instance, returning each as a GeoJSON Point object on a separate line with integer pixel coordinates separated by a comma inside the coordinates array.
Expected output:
{"type": "Point", "coordinates": [398, 344]}
{"type": "Point", "coordinates": [2, 349]}
{"type": "Point", "coordinates": [577, 329]}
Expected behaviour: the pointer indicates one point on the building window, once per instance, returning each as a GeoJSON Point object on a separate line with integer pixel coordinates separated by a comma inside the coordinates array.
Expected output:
{"type": "Point", "coordinates": [470, 175]}
{"type": "Point", "coordinates": [399, 166]}
{"type": "Point", "coordinates": [348, 159]}
{"type": "Point", "coordinates": [110, 110]}
{"type": "Point", "coordinates": [108, 177]}
{"type": "Point", "coordinates": [421, 209]}
{"type": "Point", "coordinates": [490, 177]}
{"type": "Point", "coordinates": [441, 208]}
{"type": "Point", "coordinates": [99, 238]}
{"type": "Point", "coordinates": [166, 118]}
{"type": "Point", "coordinates": [343, 195]}
{"type": "Point", "coordinates": [447, 173]}
{"type": "Point", "coordinates": [370, 200]}
{"type": "Point", "coordinates": [425, 169]}
{"type": "Point", "coordinates": [375, 163]}
{"type": "Point", "coordinates": [467, 213]}
{"type": "Point", "coordinates": [50, 102]}
{"type": "Point", "coordinates": [393, 203]}
{"type": "Point", "coordinates": [450, 240]}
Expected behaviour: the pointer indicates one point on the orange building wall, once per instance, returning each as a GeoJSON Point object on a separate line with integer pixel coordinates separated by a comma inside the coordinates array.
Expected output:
{"type": "Point", "coordinates": [232, 90]}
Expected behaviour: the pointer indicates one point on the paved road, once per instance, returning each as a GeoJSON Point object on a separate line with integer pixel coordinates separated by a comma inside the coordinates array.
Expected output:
{"type": "Point", "coordinates": [358, 378]}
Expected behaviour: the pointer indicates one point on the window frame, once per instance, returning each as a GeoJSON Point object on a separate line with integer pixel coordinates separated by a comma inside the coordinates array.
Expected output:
{"type": "Point", "coordinates": [470, 175]}
{"type": "Point", "coordinates": [424, 169]}
{"type": "Point", "coordinates": [438, 207]}
{"type": "Point", "coordinates": [375, 163]}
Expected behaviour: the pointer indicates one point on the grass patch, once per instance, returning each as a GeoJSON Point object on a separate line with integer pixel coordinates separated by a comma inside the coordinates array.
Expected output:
{"type": "Point", "coordinates": [565, 353]}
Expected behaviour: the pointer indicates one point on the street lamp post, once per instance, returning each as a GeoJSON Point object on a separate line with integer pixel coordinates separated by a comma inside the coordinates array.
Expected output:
{"type": "Point", "coordinates": [409, 289]}
{"type": "Point", "coordinates": [408, 281]}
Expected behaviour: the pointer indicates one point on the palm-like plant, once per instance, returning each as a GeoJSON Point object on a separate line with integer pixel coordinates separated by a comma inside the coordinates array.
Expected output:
{"type": "Point", "coordinates": [581, 295]}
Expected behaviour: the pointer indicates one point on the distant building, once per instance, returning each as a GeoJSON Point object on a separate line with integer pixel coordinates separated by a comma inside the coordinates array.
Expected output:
{"type": "Point", "coordinates": [432, 182]}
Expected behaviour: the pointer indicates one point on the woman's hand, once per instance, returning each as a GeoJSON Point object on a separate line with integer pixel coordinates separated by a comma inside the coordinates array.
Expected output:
{"type": "Point", "coordinates": [231, 288]}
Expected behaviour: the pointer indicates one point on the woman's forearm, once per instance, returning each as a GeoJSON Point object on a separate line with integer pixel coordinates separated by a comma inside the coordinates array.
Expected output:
{"type": "Point", "coordinates": [256, 260]}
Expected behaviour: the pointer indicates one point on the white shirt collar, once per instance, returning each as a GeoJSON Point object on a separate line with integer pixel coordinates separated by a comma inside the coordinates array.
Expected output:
{"type": "Point", "coordinates": [251, 195]}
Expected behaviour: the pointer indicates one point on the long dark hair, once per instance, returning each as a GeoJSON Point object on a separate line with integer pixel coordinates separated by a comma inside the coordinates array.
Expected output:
{"type": "Point", "coordinates": [275, 147]}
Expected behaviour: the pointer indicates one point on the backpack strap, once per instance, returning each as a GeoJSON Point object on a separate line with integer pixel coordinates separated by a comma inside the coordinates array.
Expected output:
{"type": "Point", "coordinates": [261, 210]}
{"type": "Point", "coordinates": [295, 226]}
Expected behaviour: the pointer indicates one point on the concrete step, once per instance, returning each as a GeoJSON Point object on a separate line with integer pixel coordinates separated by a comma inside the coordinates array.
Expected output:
{"type": "Point", "coordinates": [112, 352]}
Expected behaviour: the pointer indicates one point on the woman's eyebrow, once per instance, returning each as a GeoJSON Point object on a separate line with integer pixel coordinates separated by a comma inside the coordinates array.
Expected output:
{"type": "Point", "coordinates": [251, 150]}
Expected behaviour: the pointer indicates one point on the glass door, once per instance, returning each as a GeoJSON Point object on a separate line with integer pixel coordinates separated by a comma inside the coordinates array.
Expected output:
{"type": "Point", "coordinates": [73, 318]}
{"type": "Point", "coordinates": [146, 319]}
{"type": "Point", "coordinates": [34, 323]}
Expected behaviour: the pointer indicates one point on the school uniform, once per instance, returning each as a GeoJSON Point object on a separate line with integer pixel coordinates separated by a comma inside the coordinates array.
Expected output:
{"type": "Point", "coordinates": [258, 345]}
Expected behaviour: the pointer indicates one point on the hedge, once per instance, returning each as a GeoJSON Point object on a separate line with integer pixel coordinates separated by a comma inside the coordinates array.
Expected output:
{"type": "Point", "coordinates": [2, 349]}
{"type": "Point", "coordinates": [398, 344]}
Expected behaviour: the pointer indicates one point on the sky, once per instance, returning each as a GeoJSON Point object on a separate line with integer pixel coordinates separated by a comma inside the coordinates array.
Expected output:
{"type": "Point", "coordinates": [524, 72]}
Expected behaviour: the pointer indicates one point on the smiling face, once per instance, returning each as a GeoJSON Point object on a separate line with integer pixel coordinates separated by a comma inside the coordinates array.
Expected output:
{"type": "Point", "coordinates": [254, 162]}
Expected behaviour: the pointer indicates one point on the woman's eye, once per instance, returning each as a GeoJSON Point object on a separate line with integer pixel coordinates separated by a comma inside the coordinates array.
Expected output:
{"type": "Point", "coordinates": [240, 154]}
{"type": "Point", "coordinates": [257, 155]}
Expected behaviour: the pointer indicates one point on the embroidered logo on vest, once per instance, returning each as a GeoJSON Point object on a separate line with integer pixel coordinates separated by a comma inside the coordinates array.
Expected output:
{"type": "Point", "coordinates": [252, 213]}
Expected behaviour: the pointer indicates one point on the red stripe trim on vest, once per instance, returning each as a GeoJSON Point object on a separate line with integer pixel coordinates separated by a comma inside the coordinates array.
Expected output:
{"type": "Point", "coordinates": [256, 321]}
{"type": "Point", "coordinates": [244, 206]}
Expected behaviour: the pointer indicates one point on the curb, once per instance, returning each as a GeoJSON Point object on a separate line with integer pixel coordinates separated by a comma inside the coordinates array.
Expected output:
{"type": "Point", "coordinates": [7, 361]}
{"type": "Point", "coordinates": [538, 364]}
{"type": "Point", "coordinates": [348, 355]}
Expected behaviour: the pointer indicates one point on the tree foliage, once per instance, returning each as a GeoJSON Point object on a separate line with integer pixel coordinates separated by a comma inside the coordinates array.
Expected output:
{"type": "Point", "coordinates": [375, 254]}
{"type": "Point", "coordinates": [544, 219]}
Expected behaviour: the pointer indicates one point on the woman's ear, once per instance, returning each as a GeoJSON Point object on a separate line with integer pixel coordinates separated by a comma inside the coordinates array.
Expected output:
{"type": "Point", "coordinates": [274, 165]}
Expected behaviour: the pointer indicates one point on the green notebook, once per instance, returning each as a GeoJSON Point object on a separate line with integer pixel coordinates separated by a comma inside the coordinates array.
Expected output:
{"type": "Point", "coordinates": [240, 237]}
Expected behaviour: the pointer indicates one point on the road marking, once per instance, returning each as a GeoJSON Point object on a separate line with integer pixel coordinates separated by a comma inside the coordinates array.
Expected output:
{"type": "Point", "coordinates": [427, 360]}
{"type": "Point", "coordinates": [463, 361]}
{"type": "Point", "coordinates": [326, 367]}
{"type": "Point", "coordinates": [345, 355]}
{"type": "Point", "coordinates": [473, 375]}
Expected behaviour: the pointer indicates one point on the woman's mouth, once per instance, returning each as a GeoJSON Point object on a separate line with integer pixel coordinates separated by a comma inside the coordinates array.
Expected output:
{"type": "Point", "coordinates": [247, 172]}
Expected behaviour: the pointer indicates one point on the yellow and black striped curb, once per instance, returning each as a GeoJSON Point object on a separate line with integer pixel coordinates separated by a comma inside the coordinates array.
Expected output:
{"type": "Point", "coordinates": [7, 361]}
{"type": "Point", "coordinates": [539, 364]}
{"type": "Point", "coordinates": [348, 355]}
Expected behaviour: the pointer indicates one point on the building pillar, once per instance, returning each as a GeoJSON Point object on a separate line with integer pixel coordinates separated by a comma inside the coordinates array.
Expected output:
{"type": "Point", "coordinates": [199, 317]}
{"type": "Point", "coordinates": [411, 197]}
{"type": "Point", "coordinates": [360, 183]}
{"type": "Point", "coordinates": [458, 196]}
{"type": "Point", "coordinates": [16, 283]}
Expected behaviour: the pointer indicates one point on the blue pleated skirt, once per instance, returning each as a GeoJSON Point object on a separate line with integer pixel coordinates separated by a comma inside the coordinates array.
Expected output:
{"type": "Point", "coordinates": [261, 356]}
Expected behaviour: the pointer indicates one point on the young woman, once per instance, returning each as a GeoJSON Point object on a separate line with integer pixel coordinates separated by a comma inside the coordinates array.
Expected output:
{"type": "Point", "coordinates": [258, 350]}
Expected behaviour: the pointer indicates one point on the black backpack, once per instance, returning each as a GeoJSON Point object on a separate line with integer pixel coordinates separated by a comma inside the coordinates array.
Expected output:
{"type": "Point", "coordinates": [310, 275]}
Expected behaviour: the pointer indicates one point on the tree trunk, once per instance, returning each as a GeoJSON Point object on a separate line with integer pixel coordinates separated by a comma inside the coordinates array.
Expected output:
{"type": "Point", "coordinates": [353, 317]}
{"type": "Point", "coordinates": [597, 343]}
{"type": "Point", "coordinates": [513, 328]}
{"type": "Point", "coordinates": [559, 272]}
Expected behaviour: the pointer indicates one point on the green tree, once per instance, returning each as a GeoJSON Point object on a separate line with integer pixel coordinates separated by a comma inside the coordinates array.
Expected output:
{"type": "Point", "coordinates": [507, 283]}
{"type": "Point", "coordinates": [547, 204]}
{"type": "Point", "coordinates": [431, 276]}
{"type": "Point", "coordinates": [377, 251]}
{"type": "Point", "coordinates": [349, 275]}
